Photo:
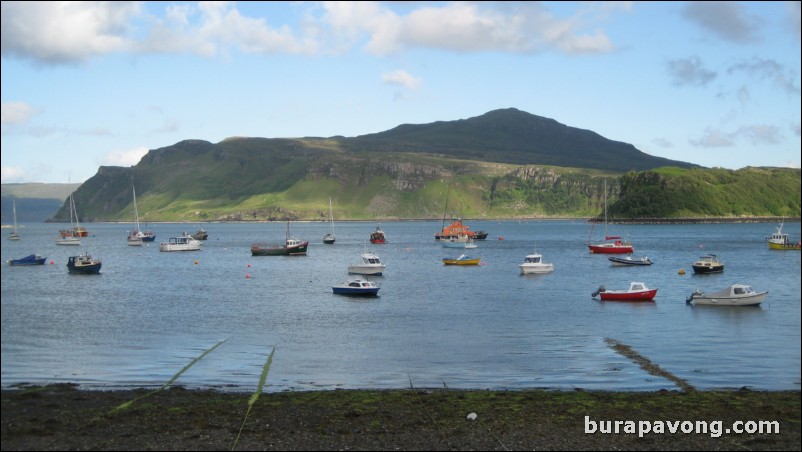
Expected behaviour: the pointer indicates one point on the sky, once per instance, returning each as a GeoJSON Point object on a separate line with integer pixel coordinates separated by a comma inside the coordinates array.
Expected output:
{"type": "Point", "coordinates": [90, 84]}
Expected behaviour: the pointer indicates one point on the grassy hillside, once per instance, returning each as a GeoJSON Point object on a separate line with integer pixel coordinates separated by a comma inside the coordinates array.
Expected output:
{"type": "Point", "coordinates": [257, 179]}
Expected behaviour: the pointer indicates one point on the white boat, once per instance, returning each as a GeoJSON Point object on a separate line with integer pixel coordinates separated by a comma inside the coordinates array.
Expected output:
{"type": "Point", "coordinates": [735, 295]}
{"type": "Point", "coordinates": [182, 243]}
{"type": "Point", "coordinates": [14, 235]}
{"type": "Point", "coordinates": [370, 265]}
{"type": "Point", "coordinates": [457, 241]}
{"type": "Point", "coordinates": [533, 263]}
{"type": "Point", "coordinates": [69, 240]}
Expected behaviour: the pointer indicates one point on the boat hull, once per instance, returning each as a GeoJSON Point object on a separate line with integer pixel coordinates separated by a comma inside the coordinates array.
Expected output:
{"type": "Point", "coordinates": [28, 260]}
{"type": "Point", "coordinates": [728, 301]}
{"type": "Point", "coordinates": [647, 295]}
{"type": "Point", "coordinates": [366, 270]}
{"type": "Point", "coordinates": [279, 250]}
{"type": "Point", "coordinates": [536, 269]}
{"type": "Point", "coordinates": [783, 247]}
{"type": "Point", "coordinates": [628, 262]}
{"type": "Point", "coordinates": [705, 269]}
{"type": "Point", "coordinates": [461, 261]}
{"type": "Point", "coordinates": [328, 239]}
{"type": "Point", "coordinates": [93, 269]}
{"type": "Point", "coordinates": [367, 292]}
{"type": "Point", "coordinates": [611, 249]}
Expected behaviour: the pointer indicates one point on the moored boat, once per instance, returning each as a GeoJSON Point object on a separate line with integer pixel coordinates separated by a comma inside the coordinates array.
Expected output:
{"type": "Point", "coordinates": [461, 260]}
{"type": "Point", "coordinates": [613, 244]}
{"type": "Point", "coordinates": [533, 264]}
{"type": "Point", "coordinates": [377, 236]}
{"type": "Point", "coordinates": [370, 265]}
{"type": "Point", "coordinates": [182, 243]}
{"type": "Point", "coordinates": [780, 241]}
{"type": "Point", "coordinates": [357, 286]}
{"type": "Point", "coordinates": [84, 264]}
{"type": "Point", "coordinates": [458, 231]}
{"type": "Point", "coordinates": [708, 264]}
{"type": "Point", "coordinates": [290, 247]}
{"type": "Point", "coordinates": [32, 259]}
{"type": "Point", "coordinates": [637, 291]}
{"type": "Point", "coordinates": [735, 295]}
{"type": "Point", "coordinates": [629, 261]}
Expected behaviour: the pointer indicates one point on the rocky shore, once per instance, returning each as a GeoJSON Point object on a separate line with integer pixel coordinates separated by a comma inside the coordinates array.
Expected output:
{"type": "Point", "coordinates": [62, 417]}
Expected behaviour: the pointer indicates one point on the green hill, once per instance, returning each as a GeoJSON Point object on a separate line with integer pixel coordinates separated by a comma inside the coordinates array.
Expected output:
{"type": "Point", "coordinates": [504, 164]}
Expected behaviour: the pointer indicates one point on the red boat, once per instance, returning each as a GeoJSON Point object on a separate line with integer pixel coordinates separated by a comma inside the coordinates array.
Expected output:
{"type": "Point", "coordinates": [613, 245]}
{"type": "Point", "coordinates": [377, 236]}
{"type": "Point", "coordinates": [637, 292]}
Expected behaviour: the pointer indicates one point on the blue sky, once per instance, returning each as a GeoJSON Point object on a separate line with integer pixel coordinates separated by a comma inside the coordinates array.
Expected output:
{"type": "Point", "coordinates": [86, 84]}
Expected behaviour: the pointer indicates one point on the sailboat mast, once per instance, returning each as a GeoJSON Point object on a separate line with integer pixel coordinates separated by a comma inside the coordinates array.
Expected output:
{"type": "Point", "coordinates": [331, 218]}
{"type": "Point", "coordinates": [445, 210]}
{"type": "Point", "coordinates": [136, 210]}
{"type": "Point", "coordinates": [605, 209]}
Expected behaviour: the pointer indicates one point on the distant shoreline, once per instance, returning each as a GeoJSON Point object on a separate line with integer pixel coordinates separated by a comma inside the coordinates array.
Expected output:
{"type": "Point", "coordinates": [686, 220]}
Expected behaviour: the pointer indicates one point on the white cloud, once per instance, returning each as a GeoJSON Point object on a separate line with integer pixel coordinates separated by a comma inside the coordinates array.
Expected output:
{"type": "Point", "coordinates": [65, 32]}
{"type": "Point", "coordinates": [10, 175]}
{"type": "Point", "coordinates": [69, 32]}
{"type": "Point", "coordinates": [401, 78]}
{"type": "Point", "coordinates": [15, 112]}
{"type": "Point", "coordinates": [464, 27]}
{"type": "Point", "coordinates": [128, 157]}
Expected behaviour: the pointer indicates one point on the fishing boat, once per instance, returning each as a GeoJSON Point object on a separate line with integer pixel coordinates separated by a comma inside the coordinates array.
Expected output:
{"type": "Point", "coordinates": [357, 286]}
{"type": "Point", "coordinates": [32, 259]}
{"type": "Point", "coordinates": [637, 292]}
{"type": "Point", "coordinates": [329, 238]}
{"type": "Point", "coordinates": [613, 244]}
{"type": "Point", "coordinates": [14, 234]}
{"type": "Point", "coordinates": [290, 247]}
{"type": "Point", "coordinates": [183, 242]}
{"type": "Point", "coordinates": [200, 234]}
{"type": "Point", "coordinates": [533, 264]}
{"type": "Point", "coordinates": [377, 236]}
{"type": "Point", "coordinates": [629, 261]}
{"type": "Point", "coordinates": [463, 259]}
{"type": "Point", "coordinates": [707, 264]}
{"type": "Point", "coordinates": [735, 295]}
{"type": "Point", "coordinates": [84, 264]}
{"type": "Point", "coordinates": [779, 241]}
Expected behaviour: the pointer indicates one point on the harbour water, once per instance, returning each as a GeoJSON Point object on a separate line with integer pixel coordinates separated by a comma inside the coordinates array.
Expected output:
{"type": "Point", "coordinates": [149, 314]}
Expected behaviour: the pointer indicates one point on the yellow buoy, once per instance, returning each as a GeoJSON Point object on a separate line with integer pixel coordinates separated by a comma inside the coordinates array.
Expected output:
{"type": "Point", "coordinates": [681, 271]}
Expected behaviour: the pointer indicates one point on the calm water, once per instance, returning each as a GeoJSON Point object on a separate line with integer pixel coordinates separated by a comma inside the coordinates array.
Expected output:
{"type": "Point", "coordinates": [149, 314]}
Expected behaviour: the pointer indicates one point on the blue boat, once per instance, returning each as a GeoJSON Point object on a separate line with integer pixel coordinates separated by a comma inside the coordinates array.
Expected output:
{"type": "Point", "coordinates": [357, 287]}
{"type": "Point", "coordinates": [33, 259]}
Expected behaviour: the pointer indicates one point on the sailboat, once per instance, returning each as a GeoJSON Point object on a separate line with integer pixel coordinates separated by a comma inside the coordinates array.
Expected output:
{"type": "Point", "coordinates": [613, 243]}
{"type": "Point", "coordinates": [133, 238]}
{"type": "Point", "coordinates": [137, 236]}
{"type": "Point", "coordinates": [76, 230]}
{"type": "Point", "coordinates": [70, 236]}
{"type": "Point", "coordinates": [329, 239]}
{"type": "Point", "coordinates": [14, 235]}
